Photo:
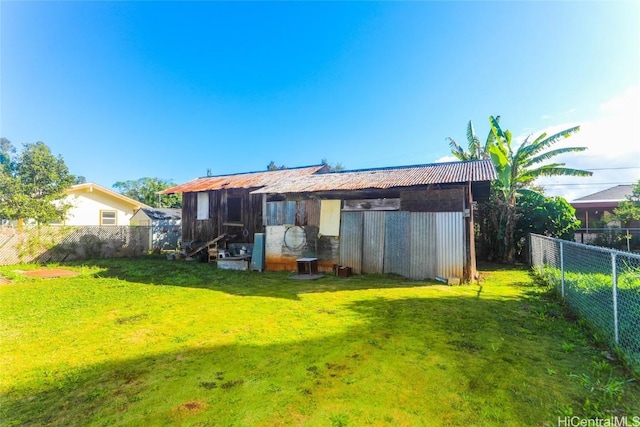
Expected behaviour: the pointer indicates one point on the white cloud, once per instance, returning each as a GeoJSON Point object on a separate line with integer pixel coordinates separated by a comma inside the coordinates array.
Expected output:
{"type": "Point", "coordinates": [613, 149]}
{"type": "Point", "coordinates": [446, 159]}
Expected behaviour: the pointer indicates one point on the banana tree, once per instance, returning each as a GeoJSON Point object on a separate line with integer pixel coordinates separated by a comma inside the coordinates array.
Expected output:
{"type": "Point", "coordinates": [517, 170]}
{"type": "Point", "coordinates": [476, 149]}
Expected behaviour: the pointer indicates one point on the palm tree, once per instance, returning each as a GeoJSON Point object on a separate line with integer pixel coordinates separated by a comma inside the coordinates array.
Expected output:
{"type": "Point", "coordinates": [476, 149]}
{"type": "Point", "coordinates": [517, 171]}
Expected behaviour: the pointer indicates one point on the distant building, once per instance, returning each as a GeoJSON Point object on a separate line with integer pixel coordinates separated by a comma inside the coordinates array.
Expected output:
{"type": "Point", "coordinates": [591, 209]}
{"type": "Point", "coordinates": [92, 204]}
{"type": "Point", "coordinates": [165, 226]}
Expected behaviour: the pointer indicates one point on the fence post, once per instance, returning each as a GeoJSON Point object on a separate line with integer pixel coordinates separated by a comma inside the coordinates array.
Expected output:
{"type": "Point", "coordinates": [562, 268]}
{"type": "Point", "coordinates": [614, 274]}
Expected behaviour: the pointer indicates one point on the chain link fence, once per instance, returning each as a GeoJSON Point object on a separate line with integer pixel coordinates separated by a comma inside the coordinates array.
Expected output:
{"type": "Point", "coordinates": [602, 285]}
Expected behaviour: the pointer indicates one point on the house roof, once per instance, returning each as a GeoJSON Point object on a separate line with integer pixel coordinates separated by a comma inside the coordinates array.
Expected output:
{"type": "Point", "coordinates": [389, 177]}
{"type": "Point", "coordinates": [243, 180]}
{"type": "Point", "coordinates": [162, 213]}
{"type": "Point", "coordinates": [614, 195]}
{"type": "Point", "coordinates": [90, 187]}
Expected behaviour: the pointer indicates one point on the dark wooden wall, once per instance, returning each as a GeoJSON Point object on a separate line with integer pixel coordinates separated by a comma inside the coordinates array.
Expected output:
{"type": "Point", "coordinates": [442, 200]}
{"type": "Point", "coordinates": [218, 222]}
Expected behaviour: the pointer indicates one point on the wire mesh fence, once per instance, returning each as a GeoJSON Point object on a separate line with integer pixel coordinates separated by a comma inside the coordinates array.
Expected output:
{"type": "Point", "coordinates": [601, 285]}
{"type": "Point", "coordinates": [66, 243]}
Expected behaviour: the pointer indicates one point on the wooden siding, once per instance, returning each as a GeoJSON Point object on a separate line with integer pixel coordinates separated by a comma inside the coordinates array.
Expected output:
{"type": "Point", "coordinates": [218, 222]}
{"type": "Point", "coordinates": [441, 200]}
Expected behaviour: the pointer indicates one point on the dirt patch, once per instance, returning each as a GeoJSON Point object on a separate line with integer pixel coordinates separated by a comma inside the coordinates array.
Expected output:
{"type": "Point", "coordinates": [4, 281]}
{"type": "Point", "coordinates": [189, 408]}
{"type": "Point", "coordinates": [50, 273]}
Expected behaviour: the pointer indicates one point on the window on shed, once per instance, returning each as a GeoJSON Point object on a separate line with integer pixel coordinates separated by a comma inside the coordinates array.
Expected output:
{"type": "Point", "coordinates": [234, 209]}
{"type": "Point", "coordinates": [203, 206]}
{"type": "Point", "coordinates": [108, 217]}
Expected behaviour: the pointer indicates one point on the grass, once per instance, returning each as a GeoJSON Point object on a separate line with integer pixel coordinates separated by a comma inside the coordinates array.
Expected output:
{"type": "Point", "coordinates": [591, 295]}
{"type": "Point", "coordinates": [151, 342]}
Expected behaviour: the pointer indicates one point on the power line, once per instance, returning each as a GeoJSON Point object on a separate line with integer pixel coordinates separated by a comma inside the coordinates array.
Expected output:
{"type": "Point", "coordinates": [613, 169]}
{"type": "Point", "coordinates": [591, 184]}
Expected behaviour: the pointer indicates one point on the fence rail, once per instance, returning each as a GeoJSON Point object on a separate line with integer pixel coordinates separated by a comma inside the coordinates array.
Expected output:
{"type": "Point", "coordinates": [64, 243]}
{"type": "Point", "coordinates": [602, 285]}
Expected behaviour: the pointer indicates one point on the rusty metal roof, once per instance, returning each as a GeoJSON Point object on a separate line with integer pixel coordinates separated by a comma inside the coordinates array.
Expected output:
{"type": "Point", "coordinates": [384, 178]}
{"type": "Point", "coordinates": [243, 180]}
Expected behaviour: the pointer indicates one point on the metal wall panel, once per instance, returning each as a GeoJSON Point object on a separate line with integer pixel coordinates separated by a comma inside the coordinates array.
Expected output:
{"type": "Point", "coordinates": [422, 246]}
{"type": "Point", "coordinates": [417, 245]}
{"type": "Point", "coordinates": [397, 240]}
{"type": "Point", "coordinates": [450, 244]}
{"type": "Point", "coordinates": [281, 213]}
{"type": "Point", "coordinates": [258, 254]}
{"type": "Point", "coordinates": [373, 242]}
{"type": "Point", "coordinates": [289, 213]}
{"type": "Point", "coordinates": [351, 240]}
{"type": "Point", "coordinates": [272, 213]}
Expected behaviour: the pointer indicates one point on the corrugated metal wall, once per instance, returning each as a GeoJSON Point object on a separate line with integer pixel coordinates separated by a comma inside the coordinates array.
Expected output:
{"type": "Point", "coordinates": [423, 247]}
{"type": "Point", "coordinates": [397, 234]}
{"type": "Point", "coordinates": [416, 245]}
{"type": "Point", "coordinates": [449, 228]}
{"type": "Point", "coordinates": [373, 242]}
{"type": "Point", "coordinates": [351, 240]}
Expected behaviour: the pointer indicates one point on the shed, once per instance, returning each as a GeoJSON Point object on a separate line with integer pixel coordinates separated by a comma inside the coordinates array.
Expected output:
{"type": "Point", "coordinates": [165, 226]}
{"type": "Point", "coordinates": [415, 221]}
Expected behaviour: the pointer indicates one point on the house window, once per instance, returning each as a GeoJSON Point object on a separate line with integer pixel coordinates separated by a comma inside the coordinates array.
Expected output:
{"type": "Point", "coordinates": [234, 209]}
{"type": "Point", "coordinates": [203, 206]}
{"type": "Point", "coordinates": [108, 217]}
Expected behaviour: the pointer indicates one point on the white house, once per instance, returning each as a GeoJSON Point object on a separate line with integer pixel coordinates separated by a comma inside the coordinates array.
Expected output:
{"type": "Point", "coordinates": [92, 204]}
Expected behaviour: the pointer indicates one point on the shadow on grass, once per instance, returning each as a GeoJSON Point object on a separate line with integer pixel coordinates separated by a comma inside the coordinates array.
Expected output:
{"type": "Point", "coordinates": [459, 360]}
{"type": "Point", "coordinates": [158, 271]}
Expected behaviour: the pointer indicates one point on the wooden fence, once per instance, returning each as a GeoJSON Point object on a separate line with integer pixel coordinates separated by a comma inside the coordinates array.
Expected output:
{"type": "Point", "coordinates": [65, 243]}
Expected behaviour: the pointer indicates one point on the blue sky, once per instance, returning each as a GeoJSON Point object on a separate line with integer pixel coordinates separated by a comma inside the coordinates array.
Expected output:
{"type": "Point", "coordinates": [125, 90]}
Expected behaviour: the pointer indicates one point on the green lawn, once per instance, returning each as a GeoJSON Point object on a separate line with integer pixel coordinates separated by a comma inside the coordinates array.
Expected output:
{"type": "Point", "coordinates": [152, 342]}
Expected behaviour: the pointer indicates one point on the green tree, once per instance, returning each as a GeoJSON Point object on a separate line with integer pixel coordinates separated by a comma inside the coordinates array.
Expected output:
{"type": "Point", "coordinates": [629, 210]}
{"type": "Point", "coordinates": [146, 190]}
{"type": "Point", "coordinates": [517, 170]}
{"type": "Point", "coordinates": [32, 183]}
{"type": "Point", "coordinates": [273, 167]}
{"type": "Point", "coordinates": [549, 216]}
{"type": "Point", "coordinates": [332, 168]}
